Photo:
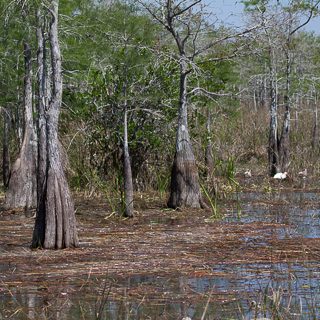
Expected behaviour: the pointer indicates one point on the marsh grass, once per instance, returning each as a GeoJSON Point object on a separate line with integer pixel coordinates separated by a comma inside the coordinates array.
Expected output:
{"type": "Point", "coordinates": [239, 138]}
{"type": "Point", "coordinates": [294, 300]}
{"type": "Point", "coordinates": [115, 196]}
{"type": "Point", "coordinates": [162, 180]}
{"type": "Point", "coordinates": [101, 302]}
{"type": "Point", "coordinates": [273, 301]}
{"type": "Point", "coordinates": [238, 142]}
{"type": "Point", "coordinates": [214, 203]}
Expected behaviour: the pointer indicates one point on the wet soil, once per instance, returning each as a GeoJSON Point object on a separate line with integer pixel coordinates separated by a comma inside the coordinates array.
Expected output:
{"type": "Point", "coordinates": [167, 264]}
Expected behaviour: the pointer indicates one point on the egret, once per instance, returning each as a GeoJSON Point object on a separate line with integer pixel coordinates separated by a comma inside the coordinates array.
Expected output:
{"type": "Point", "coordinates": [248, 174]}
{"type": "Point", "coordinates": [303, 173]}
{"type": "Point", "coordinates": [281, 176]}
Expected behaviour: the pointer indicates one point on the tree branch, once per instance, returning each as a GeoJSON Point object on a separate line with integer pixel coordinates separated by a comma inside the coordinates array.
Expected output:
{"type": "Point", "coordinates": [307, 21]}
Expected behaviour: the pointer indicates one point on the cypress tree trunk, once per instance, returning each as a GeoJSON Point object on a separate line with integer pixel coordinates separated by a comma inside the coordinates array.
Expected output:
{"type": "Point", "coordinates": [6, 156]}
{"type": "Point", "coordinates": [208, 153]}
{"type": "Point", "coordinates": [273, 133]}
{"type": "Point", "coordinates": [284, 144]}
{"type": "Point", "coordinates": [315, 140]}
{"type": "Point", "coordinates": [273, 141]}
{"type": "Point", "coordinates": [185, 188]}
{"type": "Point", "coordinates": [127, 173]}
{"type": "Point", "coordinates": [19, 124]}
{"type": "Point", "coordinates": [55, 225]}
{"type": "Point", "coordinates": [298, 104]}
{"type": "Point", "coordinates": [22, 188]}
{"type": "Point", "coordinates": [41, 80]}
{"type": "Point", "coordinates": [264, 93]}
{"type": "Point", "coordinates": [255, 95]}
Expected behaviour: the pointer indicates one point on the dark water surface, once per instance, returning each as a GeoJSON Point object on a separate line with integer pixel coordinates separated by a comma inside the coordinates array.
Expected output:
{"type": "Point", "coordinates": [193, 272]}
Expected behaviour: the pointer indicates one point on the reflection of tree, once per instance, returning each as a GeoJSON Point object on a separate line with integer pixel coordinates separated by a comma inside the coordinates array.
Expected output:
{"type": "Point", "coordinates": [63, 312]}
{"type": "Point", "coordinates": [56, 306]}
{"type": "Point", "coordinates": [126, 302]}
{"type": "Point", "coordinates": [31, 305]}
{"type": "Point", "coordinates": [183, 284]}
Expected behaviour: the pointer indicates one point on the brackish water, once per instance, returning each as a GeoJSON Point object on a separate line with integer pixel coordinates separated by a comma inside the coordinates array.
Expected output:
{"type": "Point", "coordinates": [260, 262]}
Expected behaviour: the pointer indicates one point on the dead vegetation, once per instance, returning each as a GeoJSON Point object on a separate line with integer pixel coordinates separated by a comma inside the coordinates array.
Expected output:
{"type": "Point", "coordinates": [153, 263]}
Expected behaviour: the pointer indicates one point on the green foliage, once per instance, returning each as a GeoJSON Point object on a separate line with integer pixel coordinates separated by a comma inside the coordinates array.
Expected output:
{"type": "Point", "coordinates": [94, 36]}
{"type": "Point", "coordinates": [256, 5]}
{"type": "Point", "coordinates": [98, 101]}
{"type": "Point", "coordinates": [12, 32]}
{"type": "Point", "coordinates": [215, 75]}
{"type": "Point", "coordinates": [118, 196]}
{"type": "Point", "coordinates": [214, 203]}
{"type": "Point", "coordinates": [162, 180]}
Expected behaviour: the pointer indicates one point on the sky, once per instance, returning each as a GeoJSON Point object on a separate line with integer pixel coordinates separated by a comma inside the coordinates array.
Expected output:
{"type": "Point", "coordinates": [228, 9]}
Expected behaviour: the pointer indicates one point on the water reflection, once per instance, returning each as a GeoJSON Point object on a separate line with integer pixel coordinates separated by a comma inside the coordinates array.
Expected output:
{"type": "Point", "coordinates": [292, 211]}
{"type": "Point", "coordinates": [175, 297]}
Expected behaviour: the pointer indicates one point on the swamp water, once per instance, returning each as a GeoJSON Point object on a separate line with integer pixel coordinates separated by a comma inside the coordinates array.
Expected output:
{"type": "Point", "coordinates": [260, 262]}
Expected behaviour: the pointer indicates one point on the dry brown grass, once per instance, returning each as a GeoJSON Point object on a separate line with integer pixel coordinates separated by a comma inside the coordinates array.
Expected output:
{"type": "Point", "coordinates": [241, 136]}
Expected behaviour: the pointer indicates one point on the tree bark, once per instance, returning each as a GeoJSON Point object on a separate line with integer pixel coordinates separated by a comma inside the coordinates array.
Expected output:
{"type": "Point", "coordinates": [127, 172]}
{"type": "Point", "coordinates": [208, 153]}
{"type": "Point", "coordinates": [315, 140]}
{"type": "Point", "coordinates": [296, 121]}
{"type": "Point", "coordinates": [22, 188]}
{"type": "Point", "coordinates": [41, 80]}
{"type": "Point", "coordinates": [19, 124]}
{"type": "Point", "coordinates": [6, 156]}
{"type": "Point", "coordinates": [284, 144]}
{"type": "Point", "coordinates": [185, 188]}
{"type": "Point", "coordinates": [264, 99]}
{"type": "Point", "coordinates": [273, 133]}
{"type": "Point", "coordinates": [55, 226]}
{"type": "Point", "coordinates": [255, 95]}
{"type": "Point", "coordinates": [273, 142]}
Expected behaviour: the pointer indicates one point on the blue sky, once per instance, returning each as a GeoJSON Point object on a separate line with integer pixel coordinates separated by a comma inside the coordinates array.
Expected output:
{"type": "Point", "coordinates": [225, 9]}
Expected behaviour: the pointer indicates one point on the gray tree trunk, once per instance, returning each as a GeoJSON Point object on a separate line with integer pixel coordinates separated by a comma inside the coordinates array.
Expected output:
{"type": "Point", "coordinates": [264, 99]}
{"type": "Point", "coordinates": [19, 124]}
{"type": "Point", "coordinates": [22, 188]}
{"type": "Point", "coordinates": [255, 95]}
{"type": "Point", "coordinates": [208, 153]}
{"type": "Point", "coordinates": [41, 80]}
{"type": "Point", "coordinates": [6, 170]}
{"type": "Point", "coordinates": [127, 172]}
{"type": "Point", "coordinates": [185, 187]}
{"type": "Point", "coordinates": [284, 144]}
{"type": "Point", "coordinates": [55, 226]}
{"type": "Point", "coordinates": [273, 133]}
{"type": "Point", "coordinates": [315, 141]}
{"type": "Point", "coordinates": [296, 124]}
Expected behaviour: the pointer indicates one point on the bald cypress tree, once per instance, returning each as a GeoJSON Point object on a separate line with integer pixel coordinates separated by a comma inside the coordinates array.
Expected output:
{"type": "Point", "coordinates": [186, 23]}
{"type": "Point", "coordinates": [22, 187]}
{"type": "Point", "coordinates": [55, 225]}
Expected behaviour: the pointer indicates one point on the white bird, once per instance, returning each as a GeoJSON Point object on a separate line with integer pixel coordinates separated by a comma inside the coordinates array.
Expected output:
{"type": "Point", "coordinates": [248, 174]}
{"type": "Point", "coordinates": [281, 176]}
{"type": "Point", "coordinates": [303, 173]}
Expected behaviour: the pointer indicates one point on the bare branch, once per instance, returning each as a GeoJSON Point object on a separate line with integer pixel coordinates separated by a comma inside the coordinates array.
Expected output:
{"type": "Point", "coordinates": [228, 37]}
{"type": "Point", "coordinates": [307, 21]}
